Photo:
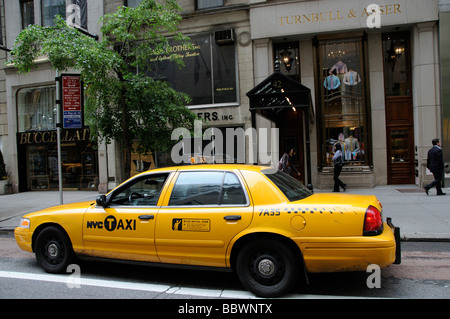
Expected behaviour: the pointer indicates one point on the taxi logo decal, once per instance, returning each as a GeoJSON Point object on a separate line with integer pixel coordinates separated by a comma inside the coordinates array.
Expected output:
{"type": "Point", "coordinates": [191, 224]}
{"type": "Point", "coordinates": [110, 224]}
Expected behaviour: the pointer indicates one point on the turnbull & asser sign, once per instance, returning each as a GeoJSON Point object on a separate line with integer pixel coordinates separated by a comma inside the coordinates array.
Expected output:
{"type": "Point", "coordinates": [330, 15]}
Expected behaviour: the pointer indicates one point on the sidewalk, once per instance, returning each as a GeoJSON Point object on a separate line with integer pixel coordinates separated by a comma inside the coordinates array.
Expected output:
{"type": "Point", "coordinates": [420, 217]}
{"type": "Point", "coordinates": [14, 206]}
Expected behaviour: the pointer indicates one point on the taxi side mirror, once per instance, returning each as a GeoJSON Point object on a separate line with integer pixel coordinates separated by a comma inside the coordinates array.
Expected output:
{"type": "Point", "coordinates": [101, 201]}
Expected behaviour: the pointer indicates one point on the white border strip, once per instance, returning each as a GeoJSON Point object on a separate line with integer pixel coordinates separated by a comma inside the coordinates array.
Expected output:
{"type": "Point", "coordinates": [166, 289]}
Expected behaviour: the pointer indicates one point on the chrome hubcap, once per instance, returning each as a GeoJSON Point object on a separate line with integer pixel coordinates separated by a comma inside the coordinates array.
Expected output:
{"type": "Point", "coordinates": [52, 250]}
{"type": "Point", "coordinates": [266, 267]}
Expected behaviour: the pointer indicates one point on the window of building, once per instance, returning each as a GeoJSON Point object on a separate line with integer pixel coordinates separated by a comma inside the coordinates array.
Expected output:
{"type": "Point", "coordinates": [132, 3]}
{"type": "Point", "coordinates": [342, 105]}
{"type": "Point", "coordinates": [36, 109]}
{"type": "Point", "coordinates": [209, 75]}
{"type": "Point", "coordinates": [397, 68]}
{"type": "Point", "coordinates": [217, 145]}
{"type": "Point", "coordinates": [206, 4]}
{"type": "Point", "coordinates": [51, 8]}
{"type": "Point", "coordinates": [27, 12]}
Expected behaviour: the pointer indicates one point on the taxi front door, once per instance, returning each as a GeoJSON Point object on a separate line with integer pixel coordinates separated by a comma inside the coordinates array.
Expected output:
{"type": "Point", "coordinates": [125, 229]}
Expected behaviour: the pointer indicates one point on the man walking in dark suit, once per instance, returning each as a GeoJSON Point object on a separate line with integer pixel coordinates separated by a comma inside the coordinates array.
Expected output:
{"type": "Point", "coordinates": [435, 163]}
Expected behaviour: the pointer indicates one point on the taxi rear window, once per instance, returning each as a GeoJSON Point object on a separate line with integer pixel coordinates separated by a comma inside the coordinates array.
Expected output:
{"type": "Point", "coordinates": [291, 188]}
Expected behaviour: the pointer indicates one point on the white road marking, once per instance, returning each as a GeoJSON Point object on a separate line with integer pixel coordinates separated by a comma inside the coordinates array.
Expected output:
{"type": "Point", "coordinates": [158, 288]}
{"type": "Point", "coordinates": [84, 281]}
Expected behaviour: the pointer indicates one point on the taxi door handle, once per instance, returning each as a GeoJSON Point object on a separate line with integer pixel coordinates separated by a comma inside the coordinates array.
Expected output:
{"type": "Point", "coordinates": [146, 217]}
{"type": "Point", "coordinates": [232, 217]}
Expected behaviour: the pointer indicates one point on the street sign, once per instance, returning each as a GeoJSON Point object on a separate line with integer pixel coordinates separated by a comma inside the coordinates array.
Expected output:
{"type": "Point", "coordinates": [72, 101]}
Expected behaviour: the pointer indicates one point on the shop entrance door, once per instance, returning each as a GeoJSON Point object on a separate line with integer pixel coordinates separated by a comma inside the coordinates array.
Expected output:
{"type": "Point", "coordinates": [399, 111]}
{"type": "Point", "coordinates": [291, 136]}
{"type": "Point", "coordinates": [400, 140]}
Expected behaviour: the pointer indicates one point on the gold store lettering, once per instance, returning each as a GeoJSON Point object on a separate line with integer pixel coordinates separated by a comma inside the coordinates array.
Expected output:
{"type": "Point", "coordinates": [50, 136]}
{"type": "Point", "coordinates": [335, 15]}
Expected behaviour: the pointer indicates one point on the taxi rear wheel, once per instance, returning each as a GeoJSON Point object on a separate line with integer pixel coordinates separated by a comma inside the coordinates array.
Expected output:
{"type": "Point", "coordinates": [53, 250]}
{"type": "Point", "coordinates": [268, 268]}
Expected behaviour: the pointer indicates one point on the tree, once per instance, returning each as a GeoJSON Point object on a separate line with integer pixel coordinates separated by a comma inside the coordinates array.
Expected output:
{"type": "Point", "coordinates": [123, 102]}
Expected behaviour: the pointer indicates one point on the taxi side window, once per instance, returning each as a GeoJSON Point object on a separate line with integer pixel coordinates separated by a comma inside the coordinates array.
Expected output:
{"type": "Point", "coordinates": [207, 188]}
{"type": "Point", "coordinates": [144, 191]}
{"type": "Point", "coordinates": [232, 192]}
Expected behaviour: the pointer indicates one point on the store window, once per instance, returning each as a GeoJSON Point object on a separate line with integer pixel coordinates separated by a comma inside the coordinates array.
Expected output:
{"type": "Point", "coordinates": [40, 160]}
{"type": "Point", "coordinates": [342, 112]}
{"type": "Point", "coordinates": [36, 108]}
{"type": "Point", "coordinates": [51, 8]}
{"type": "Point", "coordinates": [37, 146]}
{"type": "Point", "coordinates": [209, 75]}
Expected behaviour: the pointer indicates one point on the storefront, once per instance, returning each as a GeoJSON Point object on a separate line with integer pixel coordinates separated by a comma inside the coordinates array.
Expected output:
{"type": "Point", "coordinates": [375, 90]}
{"type": "Point", "coordinates": [37, 146]}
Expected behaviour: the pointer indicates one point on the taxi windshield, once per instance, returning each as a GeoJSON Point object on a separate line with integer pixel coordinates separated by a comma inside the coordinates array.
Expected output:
{"type": "Point", "coordinates": [291, 188]}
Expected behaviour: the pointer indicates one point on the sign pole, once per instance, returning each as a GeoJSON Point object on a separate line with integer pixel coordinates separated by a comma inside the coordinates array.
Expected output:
{"type": "Point", "coordinates": [58, 134]}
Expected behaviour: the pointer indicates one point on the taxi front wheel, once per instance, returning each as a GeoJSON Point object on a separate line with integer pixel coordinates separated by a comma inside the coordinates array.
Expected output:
{"type": "Point", "coordinates": [53, 250]}
{"type": "Point", "coordinates": [268, 268]}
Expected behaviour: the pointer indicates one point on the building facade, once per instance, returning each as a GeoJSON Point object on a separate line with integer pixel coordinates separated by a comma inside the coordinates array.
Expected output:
{"type": "Point", "coordinates": [376, 83]}
{"type": "Point", "coordinates": [377, 90]}
{"type": "Point", "coordinates": [30, 139]}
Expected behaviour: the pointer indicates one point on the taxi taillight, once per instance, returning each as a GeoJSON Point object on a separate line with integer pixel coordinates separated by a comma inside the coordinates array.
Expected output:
{"type": "Point", "coordinates": [373, 222]}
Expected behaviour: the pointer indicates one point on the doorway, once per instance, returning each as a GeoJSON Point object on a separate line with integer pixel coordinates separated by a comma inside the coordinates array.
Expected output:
{"type": "Point", "coordinates": [290, 124]}
{"type": "Point", "coordinates": [399, 110]}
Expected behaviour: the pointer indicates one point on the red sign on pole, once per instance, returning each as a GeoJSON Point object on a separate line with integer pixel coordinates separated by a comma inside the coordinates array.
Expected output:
{"type": "Point", "coordinates": [72, 106]}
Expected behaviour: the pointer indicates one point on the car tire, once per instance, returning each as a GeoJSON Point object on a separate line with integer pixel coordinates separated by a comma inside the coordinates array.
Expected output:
{"type": "Point", "coordinates": [268, 268]}
{"type": "Point", "coordinates": [53, 250]}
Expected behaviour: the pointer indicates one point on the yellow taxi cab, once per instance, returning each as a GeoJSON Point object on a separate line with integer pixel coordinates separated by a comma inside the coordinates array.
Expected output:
{"type": "Point", "coordinates": [257, 221]}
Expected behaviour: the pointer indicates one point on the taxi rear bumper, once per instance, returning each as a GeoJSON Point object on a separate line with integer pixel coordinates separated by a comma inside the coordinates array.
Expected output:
{"type": "Point", "coordinates": [398, 248]}
{"type": "Point", "coordinates": [341, 254]}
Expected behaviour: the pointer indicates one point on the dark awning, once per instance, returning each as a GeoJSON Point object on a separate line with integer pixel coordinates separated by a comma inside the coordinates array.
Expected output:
{"type": "Point", "coordinates": [279, 91]}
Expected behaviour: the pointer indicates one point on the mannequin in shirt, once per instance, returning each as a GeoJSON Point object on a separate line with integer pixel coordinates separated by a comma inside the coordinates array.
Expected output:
{"type": "Point", "coordinates": [340, 67]}
{"type": "Point", "coordinates": [351, 147]}
{"type": "Point", "coordinates": [350, 98]}
{"type": "Point", "coordinates": [351, 78]}
{"type": "Point", "coordinates": [332, 82]}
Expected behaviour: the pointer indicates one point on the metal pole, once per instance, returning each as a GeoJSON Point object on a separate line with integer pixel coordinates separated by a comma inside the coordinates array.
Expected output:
{"type": "Point", "coordinates": [58, 134]}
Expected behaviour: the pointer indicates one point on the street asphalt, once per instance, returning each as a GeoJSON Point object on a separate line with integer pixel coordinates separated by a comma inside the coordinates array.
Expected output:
{"type": "Point", "coordinates": [420, 217]}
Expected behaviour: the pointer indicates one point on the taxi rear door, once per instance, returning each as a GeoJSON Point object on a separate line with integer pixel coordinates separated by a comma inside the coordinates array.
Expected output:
{"type": "Point", "coordinates": [202, 212]}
